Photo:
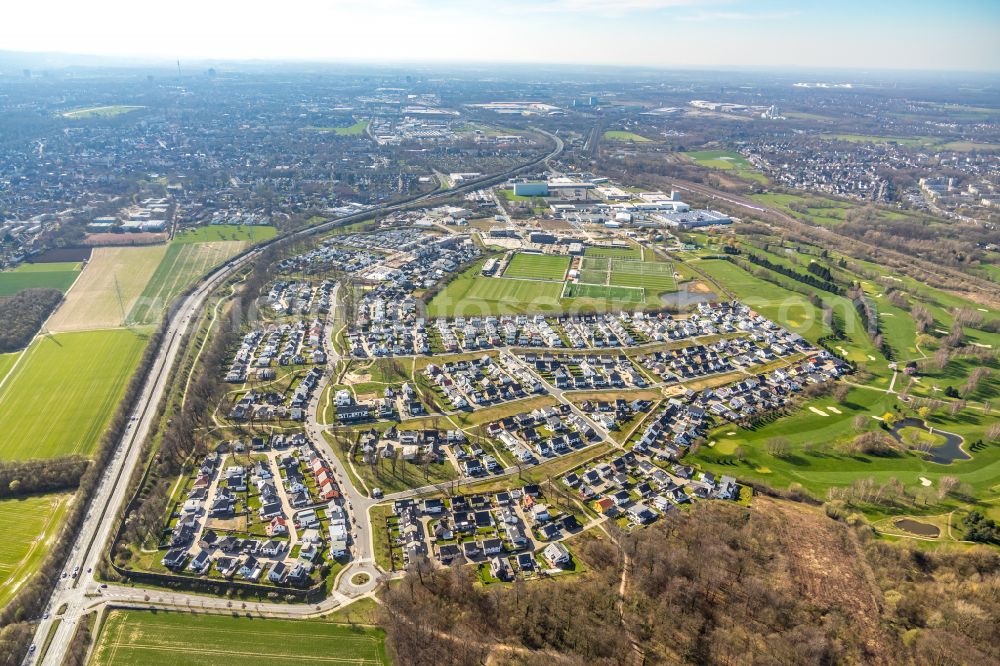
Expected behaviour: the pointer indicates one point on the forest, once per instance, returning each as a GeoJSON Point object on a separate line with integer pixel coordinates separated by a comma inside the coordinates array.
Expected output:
{"type": "Point", "coordinates": [23, 314]}
{"type": "Point", "coordinates": [775, 583]}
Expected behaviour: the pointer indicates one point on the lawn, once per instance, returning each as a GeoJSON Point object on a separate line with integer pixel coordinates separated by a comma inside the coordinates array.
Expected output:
{"type": "Point", "coordinates": [30, 276]}
{"type": "Point", "coordinates": [109, 286]}
{"type": "Point", "coordinates": [29, 525]}
{"type": "Point", "coordinates": [226, 232]}
{"type": "Point", "coordinates": [605, 292]}
{"type": "Point", "coordinates": [537, 267]}
{"type": "Point", "coordinates": [726, 160]}
{"type": "Point", "coordinates": [350, 130]}
{"type": "Point", "coordinates": [153, 638]}
{"type": "Point", "coordinates": [471, 294]}
{"type": "Point", "coordinates": [101, 111]}
{"type": "Point", "coordinates": [182, 266]}
{"type": "Point", "coordinates": [627, 137]}
{"type": "Point", "coordinates": [814, 461]}
{"type": "Point", "coordinates": [63, 393]}
{"type": "Point", "coordinates": [596, 252]}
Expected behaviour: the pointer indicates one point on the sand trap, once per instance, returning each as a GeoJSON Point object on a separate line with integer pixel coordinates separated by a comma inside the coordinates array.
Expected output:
{"type": "Point", "coordinates": [870, 357]}
{"type": "Point", "coordinates": [712, 443]}
{"type": "Point", "coordinates": [731, 433]}
{"type": "Point", "coordinates": [842, 350]}
{"type": "Point", "coordinates": [924, 481]}
{"type": "Point", "coordinates": [886, 314]}
{"type": "Point", "coordinates": [814, 410]}
{"type": "Point", "coordinates": [877, 418]}
{"type": "Point", "coordinates": [982, 309]}
{"type": "Point", "coordinates": [834, 410]}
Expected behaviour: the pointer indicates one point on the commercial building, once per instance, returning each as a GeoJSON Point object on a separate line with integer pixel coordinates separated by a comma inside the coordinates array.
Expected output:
{"type": "Point", "coordinates": [531, 189]}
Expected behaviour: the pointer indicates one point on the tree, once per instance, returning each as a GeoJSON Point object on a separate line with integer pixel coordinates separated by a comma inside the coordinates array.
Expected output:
{"type": "Point", "coordinates": [889, 419]}
{"type": "Point", "coordinates": [860, 423]}
{"type": "Point", "coordinates": [840, 393]}
{"type": "Point", "coordinates": [778, 446]}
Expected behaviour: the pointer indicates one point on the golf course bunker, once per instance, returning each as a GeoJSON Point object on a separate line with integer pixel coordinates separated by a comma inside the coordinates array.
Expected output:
{"type": "Point", "coordinates": [917, 527]}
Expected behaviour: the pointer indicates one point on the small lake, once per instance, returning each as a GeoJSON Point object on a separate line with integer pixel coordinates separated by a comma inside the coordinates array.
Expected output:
{"type": "Point", "coordinates": [917, 527]}
{"type": "Point", "coordinates": [945, 454]}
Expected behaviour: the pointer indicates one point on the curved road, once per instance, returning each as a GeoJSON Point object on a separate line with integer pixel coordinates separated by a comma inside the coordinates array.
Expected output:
{"type": "Point", "coordinates": [82, 594]}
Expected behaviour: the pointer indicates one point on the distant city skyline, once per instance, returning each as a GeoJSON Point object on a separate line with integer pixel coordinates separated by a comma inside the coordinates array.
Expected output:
{"type": "Point", "coordinates": [917, 35]}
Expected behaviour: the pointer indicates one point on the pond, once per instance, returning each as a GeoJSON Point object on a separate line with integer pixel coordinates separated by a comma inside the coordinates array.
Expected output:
{"type": "Point", "coordinates": [943, 454]}
{"type": "Point", "coordinates": [917, 527]}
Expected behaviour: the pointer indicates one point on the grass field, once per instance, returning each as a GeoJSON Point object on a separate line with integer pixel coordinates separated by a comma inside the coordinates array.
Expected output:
{"type": "Point", "coordinates": [110, 285]}
{"type": "Point", "coordinates": [822, 210]}
{"type": "Point", "coordinates": [226, 232]}
{"type": "Point", "coordinates": [613, 253]}
{"type": "Point", "coordinates": [825, 466]}
{"type": "Point", "coordinates": [101, 111]}
{"type": "Point", "coordinates": [7, 362]}
{"type": "Point", "coordinates": [627, 137]}
{"type": "Point", "coordinates": [28, 524]}
{"type": "Point", "coordinates": [59, 399]}
{"type": "Point", "coordinates": [471, 294]}
{"type": "Point", "coordinates": [726, 160]}
{"type": "Point", "coordinates": [350, 130]}
{"type": "Point", "coordinates": [537, 266]}
{"type": "Point", "coordinates": [148, 638]}
{"type": "Point", "coordinates": [182, 265]}
{"type": "Point", "coordinates": [29, 276]}
{"type": "Point", "coordinates": [601, 291]}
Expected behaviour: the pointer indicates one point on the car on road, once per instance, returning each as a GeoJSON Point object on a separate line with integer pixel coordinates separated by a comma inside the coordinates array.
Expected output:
{"type": "Point", "coordinates": [76, 572]}
{"type": "Point", "coordinates": [104, 585]}
{"type": "Point", "coordinates": [63, 575]}
{"type": "Point", "coordinates": [31, 650]}
{"type": "Point", "coordinates": [45, 615]}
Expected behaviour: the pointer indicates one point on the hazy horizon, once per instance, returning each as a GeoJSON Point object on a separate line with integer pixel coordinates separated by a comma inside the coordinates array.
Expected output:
{"type": "Point", "coordinates": [850, 35]}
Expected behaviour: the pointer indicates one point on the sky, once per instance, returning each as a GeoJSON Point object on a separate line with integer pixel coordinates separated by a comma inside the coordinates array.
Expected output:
{"type": "Point", "coordinates": [863, 34]}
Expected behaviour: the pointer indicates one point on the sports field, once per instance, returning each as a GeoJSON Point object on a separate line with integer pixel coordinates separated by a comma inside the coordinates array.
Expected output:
{"type": "Point", "coordinates": [30, 276]}
{"type": "Point", "coordinates": [226, 232]}
{"type": "Point", "coordinates": [471, 294]}
{"type": "Point", "coordinates": [182, 265]}
{"type": "Point", "coordinates": [601, 291]}
{"type": "Point", "coordinates": [59, 398]}
{"type": "Point", "coordinates": [613, 252]}
{"type": "Point", "coordinates": [654, 276]}
{"type": "Point", "coordinates": [29, 525]}
{"type": "Point", "coordinates": [537, 267]}
{"type": "Point", "coordinates": [149, 638]}
{"type": "Point", "coordinates": [108, 288]}
{"type": "Point", "coordinates": [356, 129]}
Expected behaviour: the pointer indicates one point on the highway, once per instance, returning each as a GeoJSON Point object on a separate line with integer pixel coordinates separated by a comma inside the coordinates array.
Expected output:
{"type": "Point", "coordinates": [93, 535]}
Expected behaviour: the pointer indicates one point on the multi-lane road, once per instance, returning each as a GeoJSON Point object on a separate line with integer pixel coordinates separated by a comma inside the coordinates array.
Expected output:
{"type": "Point", "coordinates": [75, 596]}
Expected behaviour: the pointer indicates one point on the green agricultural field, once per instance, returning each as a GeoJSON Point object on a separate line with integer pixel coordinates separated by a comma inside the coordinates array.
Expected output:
{"type": "Point", "coordinates": [537, 267]}
{"type": "Point", "coordinates": [101, 111]}
{"type": "Point", "coordinates": [632, 252]}
{"type": "Point", "coordinates": [626, 137]}
{"type": "Point", "coordinates": [726, 160]}
{"type": "Point", "coordinates": [58, 275]}
{"type": "Point", "coordinates": [7, 362]}
{"type": "Point", "coordinates": [29, 525]}
{"type": "Point", "coordinates": [183, 264]}
{"type": "Point", "coordinates": [815, 461]}
{"type": "Point", "coordinates": [161, 638]}
{"type": "Point", "coordinates": [59, 399]}
{"type": "Point", "coordinates": [356, 129]}
{"type": "Point", "coordinates": [226, 232]}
